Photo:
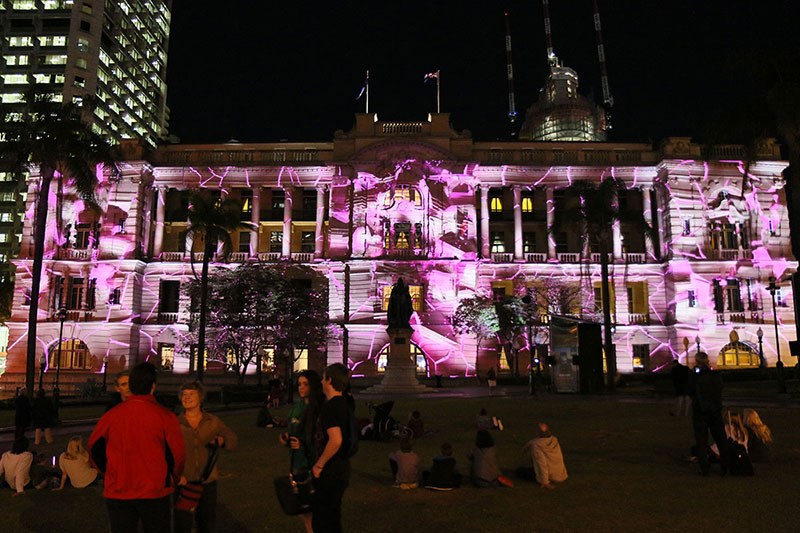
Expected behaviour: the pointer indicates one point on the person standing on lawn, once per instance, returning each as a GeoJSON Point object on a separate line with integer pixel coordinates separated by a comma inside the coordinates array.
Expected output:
{"type": "Point", "coordinates": [680, 381]}
{"type": "Point", "coordinates": [302, 429]}
{"type": "Point", "coordinates": [200, 431]}
{"type": "Point", "coordinates": [44, 417]}
{"type": "Point", "coordinates": [22, 413]}
{"type": "Point", "coordinates": [139, 447]}
{"type": "Point", "coordinates": [705, 388]}
{"type": "Point", "coordinates": [332, 468]}
{"type": "Point", "coordinates": [122, 386]}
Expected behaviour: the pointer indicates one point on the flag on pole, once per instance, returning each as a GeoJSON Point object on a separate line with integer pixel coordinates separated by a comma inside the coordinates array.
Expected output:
{"type": "Point", "coordinates": [363, 88]}
{"type": "Point", "coordinates": [431, 76]}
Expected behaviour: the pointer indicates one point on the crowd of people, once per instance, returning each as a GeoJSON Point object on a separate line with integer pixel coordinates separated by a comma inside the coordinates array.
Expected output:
{"type": "Point", "coordinates": [159, 470]}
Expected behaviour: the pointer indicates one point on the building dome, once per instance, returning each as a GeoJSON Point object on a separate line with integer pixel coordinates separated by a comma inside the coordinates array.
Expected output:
{"type": "Point", "coordinates": [561, 114]}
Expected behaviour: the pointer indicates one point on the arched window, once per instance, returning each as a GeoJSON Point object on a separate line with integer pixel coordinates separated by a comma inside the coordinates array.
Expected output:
{"type": "Point", "coordinates": [416, 353]}
{"type": "Point", "coordinates": [737, 354]}
{"type": "Point", "coordinates": [75, 355]}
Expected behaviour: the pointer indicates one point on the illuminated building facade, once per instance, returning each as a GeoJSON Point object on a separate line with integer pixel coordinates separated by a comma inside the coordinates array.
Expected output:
{"type": "Point", "coordinates": [452, 216]}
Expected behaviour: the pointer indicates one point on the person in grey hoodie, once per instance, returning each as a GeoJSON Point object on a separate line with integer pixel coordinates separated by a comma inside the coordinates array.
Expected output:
{"type": "Point", "coordinates": [548, 461]}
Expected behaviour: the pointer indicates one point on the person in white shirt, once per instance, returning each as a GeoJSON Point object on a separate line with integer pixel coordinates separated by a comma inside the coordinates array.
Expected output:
{"type": "Point", "coordinates": [74, 464]}
{"type": "Point", "coordinates": [16, 465]}
{"type": "Point", "coordinates": [548, 461]}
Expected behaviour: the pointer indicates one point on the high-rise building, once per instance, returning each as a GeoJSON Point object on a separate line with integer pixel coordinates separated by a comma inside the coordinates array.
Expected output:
{"type": "Point", "coordinates": [109, 56]}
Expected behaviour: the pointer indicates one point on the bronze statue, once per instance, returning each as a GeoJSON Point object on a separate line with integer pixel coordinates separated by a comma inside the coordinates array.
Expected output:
{"type": "Point", "coordinates": [400, 306]}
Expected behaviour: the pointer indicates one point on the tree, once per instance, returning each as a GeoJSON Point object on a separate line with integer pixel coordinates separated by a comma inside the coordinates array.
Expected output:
{"type": "Point", "coordinates": [53, 137]}
{"type": "Point", "coordinates": [212, 220]}
{"type": "Point", "coordinates": [548, 297]}
{"type": "Point", "coordinates": [485, 317]}
{"type": "Point", "coordinates": [593, 216]}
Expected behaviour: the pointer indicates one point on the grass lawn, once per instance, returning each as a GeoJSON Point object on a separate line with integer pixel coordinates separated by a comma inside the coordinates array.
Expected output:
{"type": "Point", "coordinates": [625, 461]}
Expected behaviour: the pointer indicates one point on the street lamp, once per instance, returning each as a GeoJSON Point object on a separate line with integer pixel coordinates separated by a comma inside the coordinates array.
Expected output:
{"type": "Point", "coordinates": [105, 372]}
{"type": "Point", "coordinates": [42, 364]}
{"type": "Point", "coordinates": [773, 288]}
{"type": "Point", "coordinates": [760, 335]}
{"type": "Point", "coordinates": [697, 341]}
{"type": "Point", "coordinates": [61, 314]}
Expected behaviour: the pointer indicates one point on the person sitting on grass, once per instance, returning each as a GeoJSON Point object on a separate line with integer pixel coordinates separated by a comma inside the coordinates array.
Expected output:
{"type": "Point", "coordinates": [443, 474]}
{"type": "Point", "coordinates": [484, 471]}
{"type": "Point", "coordinates": [43, 473]}
{"type": "Point", "coordinates": [416, 425]}
{"type": "Point", "coordinates": [484, 421]}
{"type": "Point", "coordinates": [405, 466]}
{"type": "Point", "coordinates": [759, 437]}
{"type": "Point", "coordinates": [548, 461]}
{"type": "Point", "coordinates": [16, 464]}
{"type": "Point", "coordinates": [74, 464]}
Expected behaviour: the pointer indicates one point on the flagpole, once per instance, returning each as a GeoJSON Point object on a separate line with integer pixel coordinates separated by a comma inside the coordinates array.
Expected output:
{"type": "Point", "coordinates": [367, 83]}
{"type": "Point", "coordinates": [438, 87]}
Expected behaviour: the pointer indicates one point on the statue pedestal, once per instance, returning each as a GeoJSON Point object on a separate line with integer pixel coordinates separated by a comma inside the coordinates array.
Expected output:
{"type": "Point", "coordinates": [401, 371]}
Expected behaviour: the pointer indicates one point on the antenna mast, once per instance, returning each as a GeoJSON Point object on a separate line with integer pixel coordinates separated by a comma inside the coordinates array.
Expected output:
{"type": "Point", "coordinates": [547, 36]}
{"type": "Point", "coordinates": [512, 108]}
{"type": "Point", "coordinates": [608, 100]}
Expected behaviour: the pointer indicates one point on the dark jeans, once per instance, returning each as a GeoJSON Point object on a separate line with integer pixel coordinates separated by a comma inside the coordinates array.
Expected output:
{"type": "Point", "coordinates": [702, 424]}
{"type": "Point", "coordinates": [205, 516]}
{"type": "Point", "coordinates": [155, 515]}
{"type": "Point", "coordinates": [327, 507]}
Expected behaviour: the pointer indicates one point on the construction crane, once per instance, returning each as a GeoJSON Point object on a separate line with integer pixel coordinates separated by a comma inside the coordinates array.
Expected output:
{"type": "Point", "coordinates": [512, 107]}
{"type": "Point", "coordinates": [608, 100]}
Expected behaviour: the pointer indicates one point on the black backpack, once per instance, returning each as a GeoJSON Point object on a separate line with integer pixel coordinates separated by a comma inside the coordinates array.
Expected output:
{"type": "Point", "coordinates": [352, 423]}
{"type": "Point", "coordinates": [739, 463]}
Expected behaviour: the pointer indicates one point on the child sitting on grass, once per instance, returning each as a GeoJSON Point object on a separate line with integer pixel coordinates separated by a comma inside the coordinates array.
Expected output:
{"type": "Point", "coordinates": [443, 474]}
{"type": "Point", "coordinates": [405, 466]}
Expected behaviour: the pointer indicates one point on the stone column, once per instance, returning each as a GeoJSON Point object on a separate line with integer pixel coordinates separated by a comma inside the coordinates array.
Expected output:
{"type": "Point", "coordinates": [647, 214]}
{"type": "Point", "coordinates": [286, 249]}
{"type": "Point", "coordinates": [223, 194]}
{"type": "Point", "coordinates": [518, 256]}
{"type": "Point", "coordinates": [319, 234]}
{"type": "Point", "coordinates": [158, 239]}
{"type": "Point", "coordinates": [616, 237]}
{"type": "Point", "coordinates": [255, 219]}
{"type": "Point", "coordinates": [551, 219]}
{"type": "Point", "coordinates": [485, 244]}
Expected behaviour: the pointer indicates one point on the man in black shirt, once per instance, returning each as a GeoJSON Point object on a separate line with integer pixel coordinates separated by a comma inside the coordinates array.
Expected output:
{"type": "Point", "coordinates": [332, 469]}
{"type": "Point", "coordinates": [705, 388]}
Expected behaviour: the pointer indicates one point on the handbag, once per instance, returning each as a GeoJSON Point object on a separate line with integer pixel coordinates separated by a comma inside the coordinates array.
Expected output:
{"type": "Point", "coordinates": [188, 496]}
{"type": "Point", "coordinates": [295, 492]}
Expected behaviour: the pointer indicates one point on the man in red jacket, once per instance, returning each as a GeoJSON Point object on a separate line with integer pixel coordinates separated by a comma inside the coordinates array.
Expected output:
{"type": "Point", "coordinates": [139, 446]}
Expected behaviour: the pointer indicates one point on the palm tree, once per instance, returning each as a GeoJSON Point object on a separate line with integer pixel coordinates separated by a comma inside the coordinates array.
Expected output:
{"type": "Point", "coordinates": [593, 217]}
{"type": "Point", "coordinates": [53, 137]}
{"type": "Point", "coordinates": [212, 219]}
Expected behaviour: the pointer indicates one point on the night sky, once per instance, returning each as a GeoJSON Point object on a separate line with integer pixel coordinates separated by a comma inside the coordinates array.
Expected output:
{"type": "Point", "coordinates": [265, 70]}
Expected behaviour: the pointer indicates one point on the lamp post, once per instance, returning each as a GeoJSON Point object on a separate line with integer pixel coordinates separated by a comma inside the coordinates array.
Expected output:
{"type": "Point", "coordinates": [760, 335]}
{"type": "Point", "coordinates": [697, 341]}
{"type": "Point", "coordinates": [62, 316]}
{"type": "Point", "coordinates": [42, 364]}
{"type": "Point", "coordinates": [531, 348]}
{"type": "Point", "coordinates": [105, 372]}
{"type": "Point", "coordinates": [773, 288]}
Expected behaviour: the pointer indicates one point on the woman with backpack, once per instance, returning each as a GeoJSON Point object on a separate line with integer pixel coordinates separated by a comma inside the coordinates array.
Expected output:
{"type": "Point", "coordinates": [302, 426]}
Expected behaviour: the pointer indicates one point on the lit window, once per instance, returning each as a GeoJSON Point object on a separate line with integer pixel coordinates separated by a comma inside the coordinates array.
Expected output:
{"type": "Point", "coordinates": [86, 8]}
{"type": "Point", "coordinates": [641, 357]}
{"type": "Point", "coordinates": [52, 40]}
{"type": "Point", "coordinates": [79, 62]}
{"type": "Point", "coordinates": [300, 359]}
{"type": "Point", "coordinates": [53, 60]}
{"type": "Point", "coordinates": [72, 354]}
{"type": "Point", "coordinates": [527, 204]}
{"type": "Point", "coordinates": [498, 242]}
{"type": "Point", "coordinates": [416, 292]}
{"type": "Point", "coordinates": [275, 241]}
{"type": "Point", "coordinates": [15, 78]}
{"type": "Point", "coordinates": [8, 197]}
{"type": "Point", "coordinates": [3, 237]}
{"type": "Point", "coordinates": [496, 205]}
{"type": "Point", "coordinates": [20, 41]}
{"type": "Point", "coordinates": [738, 354]}
{"type": "Point", "coordinates": [6, 217]}
{"type": "Point", "coordinates": [83, 44]}
{"type": "Point", "coordinates": [402, 236]}
{"type": "Point", "coordinates": [80, 82]}
{"type": "Point", "coordinates": [13, 61]}
{"type": "Point", "coordinates": [12, 98]}
{"type": "Point", "coordinates": [416, 353]}
{"type": "Point", "coordinates": [637, 298]}
{"type": "Point", "coordinates": [23, 4]}
{"type": "Point", "coordinates": [166, 354]}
